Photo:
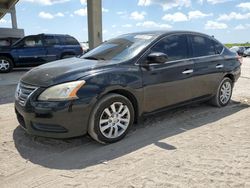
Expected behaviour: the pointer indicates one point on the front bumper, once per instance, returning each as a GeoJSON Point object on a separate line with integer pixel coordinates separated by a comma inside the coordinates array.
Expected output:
{"type": "Point", "coordinates": [54, 119]}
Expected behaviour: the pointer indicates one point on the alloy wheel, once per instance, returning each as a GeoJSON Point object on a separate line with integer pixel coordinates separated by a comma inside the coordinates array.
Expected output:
{"type": "Point", "coordinates": [114, 120]}
{"type": "Point", "coordinates": [4, 65]}
{"type": "Point", "coordinates": [225, 92]}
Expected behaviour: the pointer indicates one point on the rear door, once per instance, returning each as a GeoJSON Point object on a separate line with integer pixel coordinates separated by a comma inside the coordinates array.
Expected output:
{"type": "Point", "coordinates": [171, 82]}
{"type": "Point", "coordinates": [209, 64]}
{"type": "Point", "coordinates": [53, 47]}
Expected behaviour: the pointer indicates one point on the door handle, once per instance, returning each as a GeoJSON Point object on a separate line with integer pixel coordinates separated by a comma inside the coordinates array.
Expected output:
{"type": "Point", "coordinates": [219, 66]}
{"type": "Point", "coordinates": [189, 71]}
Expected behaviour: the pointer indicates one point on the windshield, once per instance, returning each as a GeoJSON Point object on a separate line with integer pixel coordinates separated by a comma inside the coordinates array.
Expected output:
{"type": "Point", "coordinates": [121, 48]}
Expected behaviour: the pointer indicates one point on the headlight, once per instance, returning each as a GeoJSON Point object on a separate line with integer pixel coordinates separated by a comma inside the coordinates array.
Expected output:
{"type": "Point", "coordinates": [62, 92]}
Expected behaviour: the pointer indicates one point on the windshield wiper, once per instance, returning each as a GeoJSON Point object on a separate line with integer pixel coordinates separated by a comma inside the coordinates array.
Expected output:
{"type": "Point", "coordinates": [93, 58]}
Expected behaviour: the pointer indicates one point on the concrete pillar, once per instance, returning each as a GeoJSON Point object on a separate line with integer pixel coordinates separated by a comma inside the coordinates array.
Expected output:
{"type": "Point", "coordinates": [94, 22]}
{"type": "Point", "coordinates": [13, 17]}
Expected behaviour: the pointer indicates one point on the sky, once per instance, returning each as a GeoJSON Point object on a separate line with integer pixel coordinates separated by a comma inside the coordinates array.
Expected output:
{"type": "Point", "coordinates": [227, 20]}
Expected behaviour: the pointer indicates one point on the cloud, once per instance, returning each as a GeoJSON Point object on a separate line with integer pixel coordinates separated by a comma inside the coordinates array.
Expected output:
{"type": "Point", "coordinates": [83, 2]}
{"type": "Point", "coordinates": [217, 1]}
{"type": "Point", "coordinates": [180, 17]}
{"type": "Point", "coordinates": [3, 21]}
{"type": "Point", "coordinates": [233, 16]}
{"type": "Point", "coordinates": [215, 25]}
{"type": "Point", "coordinates": [59, 14]}
{"type": "Point", "coordinates": [137, 15]}
{"type": "Point", "coordinates": [45, 15]}
{"type": "Point", "coordinates": [197, 14]}
{"type": "Point", "coordinates": [121, 12]}
{"type": "Point", "coordinates": [105, 10]}
{"type": "Point", "coordinates": [153, 25]}
{"type": "Point", "coordinates": [47, 2]}
{"type": "Point", "coordinates": [127, 25]}
{"type": "Point", "coordinates": [176, 17]}
{"type": "Point", "coordinates": [242, 27]}
{"type": "Point", "coordinates": [166, 5]}
{"type": "Point", "coordinates": [245, 6]}
{"type": "Point", "coordinates": [81, 12]}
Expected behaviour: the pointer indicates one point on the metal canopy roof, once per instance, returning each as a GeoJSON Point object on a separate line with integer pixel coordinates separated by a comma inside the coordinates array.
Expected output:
{"type": "Point", "coordinates": [5, 6]}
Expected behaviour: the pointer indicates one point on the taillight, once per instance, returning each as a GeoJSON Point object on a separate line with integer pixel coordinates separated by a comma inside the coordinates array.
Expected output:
{"type": "Point", "coordinates": [240, 59]}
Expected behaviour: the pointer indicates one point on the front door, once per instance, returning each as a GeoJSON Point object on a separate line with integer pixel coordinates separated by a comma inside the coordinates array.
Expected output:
{"type": "Point", "coordinates": [31, 51]}
{"type": "Point", "coordinates": [171, 82]}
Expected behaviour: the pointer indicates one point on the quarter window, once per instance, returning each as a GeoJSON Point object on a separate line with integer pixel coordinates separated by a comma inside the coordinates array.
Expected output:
{"type": "Point", "coordinates": [202, 46]}
{"type": "Point", "coordinates": [218, 47]}
{"type": "Point", "coordinates": [71, 41]}
{"type": "Point", "coordinates": [175, 47]}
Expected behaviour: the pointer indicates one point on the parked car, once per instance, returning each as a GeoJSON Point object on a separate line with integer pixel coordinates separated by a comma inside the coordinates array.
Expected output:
{"type": "Point", "coordinates": [246, 53]}
{"type": "Point", "coordinates": [112, 86]}
{"type": "Point", "coordinates": [38, 49]}
{"type": "Point", "coordinates": [7, 41]}
{"type": "Point", "coordinates": [238, 49]}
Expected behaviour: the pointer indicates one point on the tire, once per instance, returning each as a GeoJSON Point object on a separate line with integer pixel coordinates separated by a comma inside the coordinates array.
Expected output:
{"type": "Point", "coordinates": [223, 94]}
{"type": "Point", "coordinates": [65, 56]}
{"type": "Point", "coordinates": [6, 64]}
{"type": "Point", "coordinates": [114, 127]}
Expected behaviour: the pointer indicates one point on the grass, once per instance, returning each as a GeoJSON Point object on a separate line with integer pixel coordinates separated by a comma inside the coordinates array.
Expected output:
{"type": "Point", "coordinates": [229, 45]}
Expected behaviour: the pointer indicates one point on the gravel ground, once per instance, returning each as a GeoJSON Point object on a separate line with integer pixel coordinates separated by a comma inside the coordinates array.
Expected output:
{"type": "Point", "coordinates": [194, 146]}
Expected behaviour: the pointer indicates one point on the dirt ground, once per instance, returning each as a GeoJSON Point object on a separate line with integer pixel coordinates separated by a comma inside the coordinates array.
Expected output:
{"type": "Point", "coordinates": [194, 146]}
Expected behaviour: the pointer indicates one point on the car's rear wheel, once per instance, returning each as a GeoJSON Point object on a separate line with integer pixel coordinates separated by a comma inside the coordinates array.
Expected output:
{"type": "Point", "coordinates": [111, 119]}
{"type": "Point", "coordinates": [6, 64]}
{"type": "Point", "coordinates": [224, 93]}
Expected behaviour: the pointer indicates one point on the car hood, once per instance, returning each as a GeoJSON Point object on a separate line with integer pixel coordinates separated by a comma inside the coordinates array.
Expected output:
{"type": "Point", "coordinates": [63, 71]}
{"type": "Point", "coordinates": [5, 48]}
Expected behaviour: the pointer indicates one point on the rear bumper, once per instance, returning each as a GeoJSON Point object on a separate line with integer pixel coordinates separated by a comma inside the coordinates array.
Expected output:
{"type": "Point", "coordinates": [55, 120]}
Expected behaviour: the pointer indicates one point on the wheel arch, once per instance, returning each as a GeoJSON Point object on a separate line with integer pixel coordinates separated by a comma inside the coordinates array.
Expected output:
{"type": "Point", "coordinates": [230, 76]}
{"type": "Point", "coordinates": [131, 97]}
{"type": "Point", "coordinates": [8, 56]}
{"type": "Point", "coordinates": [67, 53]}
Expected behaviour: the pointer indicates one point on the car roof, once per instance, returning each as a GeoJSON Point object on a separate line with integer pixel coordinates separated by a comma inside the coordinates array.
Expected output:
{"type": "Point", "coordinates": [167, 32]}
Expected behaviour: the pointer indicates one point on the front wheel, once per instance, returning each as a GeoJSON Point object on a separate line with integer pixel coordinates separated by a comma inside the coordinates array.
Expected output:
{"type": "Point", "coordinates": [6, 64]}
{"type": "Point", "coordinates": [111, 119]}
{"type": "Point", "coordinates": [224, 93]}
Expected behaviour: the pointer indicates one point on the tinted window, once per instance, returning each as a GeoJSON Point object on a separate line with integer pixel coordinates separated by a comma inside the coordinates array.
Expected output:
{"type": "Point", "coordinates": [121, 48]}
{"type": "Point", "coordinates": [175, 47]}
{"type": "Point", "coordinates": [202, 46]}
{"type": "Point", "coordinates": [32, 41]}
{"type": "Point", "coordinates": [71, 41]}
{"type": "Point", "coordinates": [50, 41]}
{"type": "Point", "coordinates": [218, 47]}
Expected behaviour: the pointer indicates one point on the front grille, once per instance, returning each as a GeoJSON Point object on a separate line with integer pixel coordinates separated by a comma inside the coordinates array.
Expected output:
{"type": "Point", "coordinates": [23, 92]}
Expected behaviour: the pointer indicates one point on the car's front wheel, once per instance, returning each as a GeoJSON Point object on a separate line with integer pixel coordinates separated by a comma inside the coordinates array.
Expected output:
{"type": "Point", "coordinates": [111, 119]}
{"type": "Point", "coordinates": [224, 93]}
{"type": "Point", "coordinates": [6, 64]}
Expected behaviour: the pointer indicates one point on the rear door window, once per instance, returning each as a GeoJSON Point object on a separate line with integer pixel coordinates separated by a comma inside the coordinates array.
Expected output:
{"type": "Point", "coordinates": [51, 41]}
{"type": "Point", "coordinates": [175, 46]}
{"type": "Point", "coordinates": [202, 46]}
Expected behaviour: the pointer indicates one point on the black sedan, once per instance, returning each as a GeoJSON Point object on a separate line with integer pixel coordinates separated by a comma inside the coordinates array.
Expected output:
{"type": "Point", "coordinates": [105, 91]}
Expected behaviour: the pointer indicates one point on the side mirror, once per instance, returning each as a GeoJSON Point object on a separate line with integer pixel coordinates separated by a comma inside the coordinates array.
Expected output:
{"type": "Point", "coordinates": [157, 57]}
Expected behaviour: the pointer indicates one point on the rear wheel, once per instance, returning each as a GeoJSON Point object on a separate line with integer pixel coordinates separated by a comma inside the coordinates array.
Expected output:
{"type": "Point", "coordinates": [6, 64]}
{"type": "Point", "coordinates": [111, 119]}
{"type": "Point", "coordinates": [65, 56]}
{"type": "Point", "coordinates": [224, 93]}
